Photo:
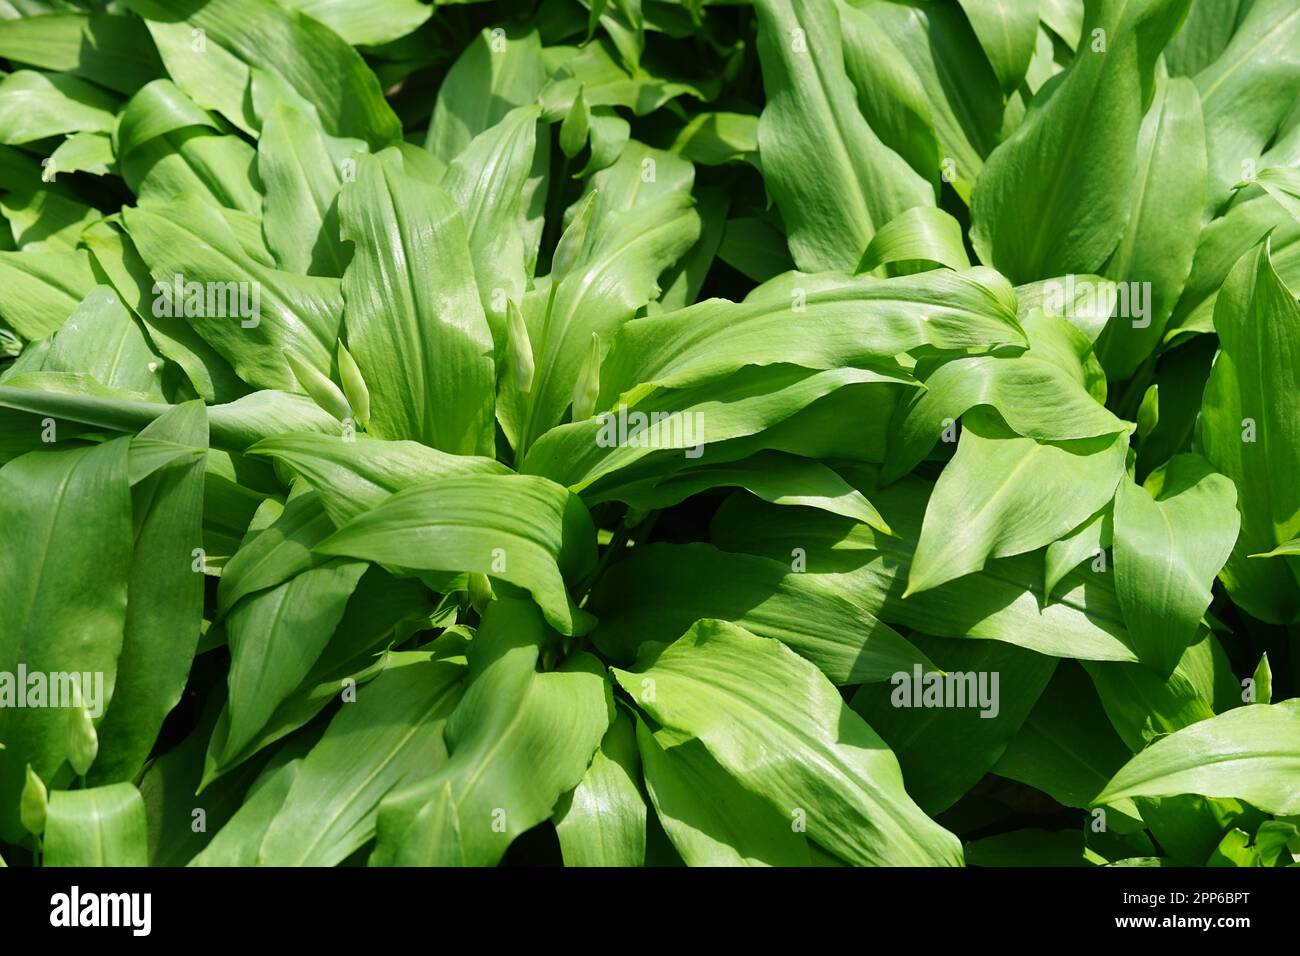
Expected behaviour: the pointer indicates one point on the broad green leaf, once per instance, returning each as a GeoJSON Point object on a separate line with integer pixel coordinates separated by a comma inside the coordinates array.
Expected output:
{"type": "Point", "coordinates": [1003, 495]}
{"type": "Point", "coordinates": [499, 70]}
{"type": "Point", "coordinates": [1247, 91]}
{"type": "Point", "coordinates": [310, 58]}
{"type": "Point", "coordinates": [234, 426]}
{"type": "Point", "coordinates": [164, 610]}
{"type": "Point", "coordinates": [945, 750]}
{"type": "Point", "coordinates": [381, 611]}
{"type": "Point", "coordinates": [521, 529]}
{"type": "Point", "coordinates": [834, 197]}
{"type": "Point", "coordinates": [352, 477]}
{"type": "Point", "coordinates": [772, 476]}
{"type": "Point", "coordinates": [206, 71]}
{"type": "Point", "coordinates": [602, 822]}
{"type": "Point", "coordinates": [818, 322]}
{"type": "Point", "coordinates": [250, 313]}
{"type": "Point", "coordinates": [301, 169]}
{"type": "Point", "coordinates": [914, 240]}
{"type": "Point", "coordinates": [276, 553]}
{"type": "Point", "coordinates": [1067, 749]}
{"type": "Point", "coordinates": [65, 531]}
{"type": "Point", "coordinates": [678, 425]}
{"type": "Point", "coordinates": [713, 139]}
{"type": "Point", "coordinates": [391, 735]}
{"type": "Point", "coordinates": [1007, 32]}
{"type": "Point", "coordinates": [36, 105]}
{"type": "Point", "coordinates": [709, 815]}
{"type": "Point", "coordinates": [830, 625]}
{"type": "Point", "coordinates": [891, 96]}
{"type": "Point", "coordinates": [1206, 31]}
{"type": "Point", "coordinates": [641, 223]}
{"type": "Point", "coordinates": [167, 147]}
{"type": "Point", "coordinates": [1054, 198]}
{"type": "Point", "coordinates": [275, 638]}
{"type": "Point", "coordinates": [493, 182]}
{"type": "Point", "coordinates": [424, 347]}
{"type": "Point", "coordinates": [1002, 602]}
{"type": "Point", "coordinates": [42, 289]}
{"type": "Point", "coordinates": [236, 843]}
{"type": "Point", "coordinates": [1143, 706]}
{"type": "Point", "coordinates": [82, 152]}
{"type": "Point", "coordinates": [1159, 242]}
{"type": "Point", "coordinates": [366, 21]}
{"type": "Point", "coordinates": [101, 339]}
{"type": "Point", "coordinates": [1250, 432]}
{"type": "Point", "coordinates": [100, 826]}
{"type": "Point", "coordinates": [964, 96]}
{"type": "Point", "coordinates": [105, 48]}
{"type": "Point", "coordinates": [44, 221]}
{"type": "Point", "coordinates": [208, 373]}
{"type": "Point", "coordinates": [517, 740]}
{"type": "Point", "coordinates": [1252, 753]}
{"type": "Point", "coordinates": [773, 719]}
{"type": "Point", "coordinates": [1036, 398]}
{"type": "Point", "coordinates": [1172, 536]}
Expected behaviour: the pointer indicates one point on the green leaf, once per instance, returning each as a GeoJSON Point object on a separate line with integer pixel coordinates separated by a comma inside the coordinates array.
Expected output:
{"type": "Point", "coordinates": [641, 222]}
{"type": "Point", "coordinates": [275, 638]}
{"type": "Point", "coordinates": [496, 181]}
{"type": "Point", "coordinates": [819, 322]}
{"type": "Point", "coordinates": [36, 105]}
{"type": "Point", "coordinates": [1247, 91]}
{"type": "Point", "coordinates": [517, 740]}
{"type": "Point", "coordinates": [369, 22]}
{"type": "Point", "coordinates": [1251, 753]}
{"type": "Point", "coordinates": [101, 826]}
{"type": "Point", "coordinates": [500, 70]}
{"type": "Point", "coordinates": [709, 815]}
{"type": "Point", "coordinates": [391, 735]}
{"type": "Point", "coordinates": [602, 822]}
{"type": "Point", "coordinates": [353, 477]}
{"type": "Point", "coordinates": [1007, 32]}
{"type": "Point", "coordinates": [1250, 433]}
{"type": "Point", "coordinates": [1067, 749]}
{"type": "Point", "coordinates": [1054, 198]}
{"type": "Point", "coordinates": [832, 626]}
{"type": "Point", "coordinates": [1172, 537]}
{"type": "Point", "coordinates": [405, 230]}
{"type": "Point", "coordinates": [164, 609]}
{"type": "Point", "coordinates": [775, 477]}
{"type": "Point", "coordinates": [301, 169]}
{"type": "Point", "coordinates": [833, 198]}
{"type": "Point", "coordinates": [1002, 602]}
{"type": "Point", "coordinates": [65, 531]}
{"type": "Point", "coordinates": [252, 314]}
{"type": "Point", "coordinates": [42, 289]}
{"type": "Point", "coordinates": [308, 56]}
{"type": "Point", "coordinates": [771, 717]}
{"type": "Point", "coordinates": [914, 239]}
{"type": "Point", "coordinates": [945, 751]}
{"type": "Point", "coordinates": [1159, 242]}
{"type": "Point", "coordinates": [515, 528]}
{"type": "Point", "coordinates": [1003, 495]}
{"type": "Point", "coordinates": [105, 48]}
{"type": "Point", "coordinates": [1143, 705]}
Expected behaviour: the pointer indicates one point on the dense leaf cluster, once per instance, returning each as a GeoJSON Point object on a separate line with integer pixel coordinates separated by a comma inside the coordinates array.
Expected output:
{"type": "Point", "coordinates": [643, 432]}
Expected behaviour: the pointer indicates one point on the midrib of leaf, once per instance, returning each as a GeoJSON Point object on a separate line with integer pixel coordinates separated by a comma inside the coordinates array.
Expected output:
{"type": "Point", "coordinates": [1248, 55]}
